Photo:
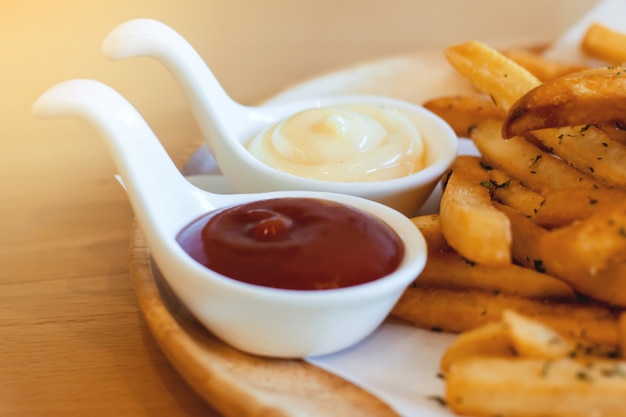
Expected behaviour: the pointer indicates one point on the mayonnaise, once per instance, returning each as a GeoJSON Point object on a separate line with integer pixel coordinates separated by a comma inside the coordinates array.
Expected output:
{"type": "Point", "coordinates": [343, 143]}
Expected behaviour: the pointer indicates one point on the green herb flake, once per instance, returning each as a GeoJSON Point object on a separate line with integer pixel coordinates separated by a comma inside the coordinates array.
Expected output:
{"type": "Point", "coordinates": [438, 399]}
{"type": "Point", "coordinates": [539, 266]}
{"type": "Point", "coordinates": [582, 375]}
{"type": "Point", "coordinates": [545, 368]}
{"type": "Point", "coordinates": [535, 160]}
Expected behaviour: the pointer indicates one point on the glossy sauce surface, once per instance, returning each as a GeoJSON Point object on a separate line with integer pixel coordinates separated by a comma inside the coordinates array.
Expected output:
{"type": "Point", "coordinates": [352, 143]}
{"type": "Point", "coordinates": [294, 243]}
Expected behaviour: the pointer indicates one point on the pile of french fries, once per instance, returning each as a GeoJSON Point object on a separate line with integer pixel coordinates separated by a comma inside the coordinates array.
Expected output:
{"type": "Point", "coordinates": [527, 255]}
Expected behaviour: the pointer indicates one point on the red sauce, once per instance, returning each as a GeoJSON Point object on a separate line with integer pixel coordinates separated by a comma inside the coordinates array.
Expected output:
{"type": "Point", "coordinates": [294, 243]}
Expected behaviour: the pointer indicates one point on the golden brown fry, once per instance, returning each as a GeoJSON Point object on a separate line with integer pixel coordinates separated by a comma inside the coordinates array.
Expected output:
{"type": "Point", "coordinates": [616, 130]}
{"type": "Point", "coordinates": [469, 222]}
{"type": "Point", "coordinates": [588, 149]}
{"type": "Point", "coordinates": [534, 167]}
{"type": "Point", "coordinates": [532, 339]}
{"type": "Point", "coordinates": [577, 253]}
{"type": "Point", "coordinates": [589, 255]}
{"type": "Point", "coordinates": [446, 269]}
{"type": "Point", "coordinates": [458, 311]}
{"type": "Point", "coordinates": [562, 207]}
{"type": "Point", "coordinates": [541, 67]}
{"type": "Point", "coordinates": [463, 112]}
{"type": "Point", "coordinates": [491, 72]}
{"type": "Point", "coordinates": [430, 226]}
{"type": "Point", "coordinates": [607, 285]}
{"type": "Point", "coordinates": [526, 238]}
{"type": "Point", "coordinates": [579, 99]}
{"type": "Point", "coordinates": [601, 42]}
{"type": "Point", "coordinates": [511, 192]}
{"type": "Point", "coordinates": [489, 386]}
{"type": "Point", "coordinates": [492, 339]}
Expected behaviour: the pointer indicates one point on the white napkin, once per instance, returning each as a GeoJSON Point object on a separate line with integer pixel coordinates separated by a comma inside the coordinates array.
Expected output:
{"type": "Point", "coordinates": [399, 363]}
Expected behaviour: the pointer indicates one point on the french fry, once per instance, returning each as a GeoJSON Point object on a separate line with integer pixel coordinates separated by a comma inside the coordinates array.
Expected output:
{"type": "Point", "coordinates": [490, 386]}
{"type": "Point", "coordinates": [492, 339]}
{"type": "Point", "coordinates": [511, 192]}
{"type": "Point", "coordinates": [449, 270]}
{"type": "Point", "coordinates": [457, 311]}
{"type": "Point", "coordinates": [588, 149]}
{"type": "Point", "coordinates": [430, 226]}
{"type": "Point", "coordinates": [579, 99]}
{"type": "Point", "coordinates": [534, 167]}
{"type": "Point", "coordinates": [491, 72]}
{"type": "Point", "coordinates": [469, 222]}
{"type": "Point", "coordinates": [541, 67]}
{"type": "Point", "coordinates": [562, 207]}
{"type": "Point", "coordinates": [526, 238]}
{"type": "Point", "coordinates": [463, 112]}
{"type": "Point", "coordinates": [616, 130]}
{"type": "Point", "coordinates": [604, 43]}
{"type": "Point", "coordinates": [589, 255]}
{"type": "Point", "coordinates": [578, 252]}
{"type": "Point", "coordinates": [532, 339]}
{"type": "Point", "coordinates": [555, 167]}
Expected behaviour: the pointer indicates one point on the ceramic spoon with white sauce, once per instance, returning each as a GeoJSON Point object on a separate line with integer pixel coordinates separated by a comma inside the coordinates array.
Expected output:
{"type": "Point", "coordinates": [404, 148]}
{"type": "Point", "coordinates": [256, 319]}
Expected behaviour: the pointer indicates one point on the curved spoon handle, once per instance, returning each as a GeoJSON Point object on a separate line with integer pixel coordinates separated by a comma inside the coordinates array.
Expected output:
{"type": "Point", "coordinates": [160, 195]}
{"type": "Point", "coordinates": [214, 110]}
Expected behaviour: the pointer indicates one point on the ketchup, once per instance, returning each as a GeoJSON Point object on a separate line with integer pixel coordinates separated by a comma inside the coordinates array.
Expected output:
{"type": "Point", "coordinates": [294, 243]}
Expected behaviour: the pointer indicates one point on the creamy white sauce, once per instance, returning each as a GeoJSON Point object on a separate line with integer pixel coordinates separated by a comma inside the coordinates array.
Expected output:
{"type": "Point", "coordinates": [343, 143]}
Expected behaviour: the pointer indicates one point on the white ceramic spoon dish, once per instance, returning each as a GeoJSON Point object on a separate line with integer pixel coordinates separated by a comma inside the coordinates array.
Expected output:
{"type": "Point", "coordinates": [227, 125]}
{"type": "Point", "coordinates": [258, 320]}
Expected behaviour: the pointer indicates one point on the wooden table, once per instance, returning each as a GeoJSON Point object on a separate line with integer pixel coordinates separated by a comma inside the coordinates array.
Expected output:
{"type": "Point", "coordinates": [72, 339]}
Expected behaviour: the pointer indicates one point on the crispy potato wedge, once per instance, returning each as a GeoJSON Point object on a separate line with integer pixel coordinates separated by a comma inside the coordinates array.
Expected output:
{"type": "Point", "coordinates": [587, 246]}
{"type": "Point", "coordinates": [457, 311]}
{"type": "Point", "coordinates": [491, 340]}
{"type": "Point", "coordinates": [542, 68]}
{"type": "Point", "coordinates": [491, 72]}
{"type": "Point", "coordinates": [469, 222]}
{"type": "Point", "coordinates": [532, 339]}
{"type": "Point", "coordinates": [447, 269]}
{"type": "Point", "coordinates": [535, 168]}
{"type": "Point", "coordinates": [489, 386]}
{"type": "Point", "coordinates": [604, 43]}
{"type": "Point", "coordinates": [579, 99]}
{"type": "Point", "coordinates": [590, 254]}
{"type": "Point", "coordinates": [463, 112]}
{"type": "Point", "coordinates": [562, 207]}
{"type": "Point", "coordinates": [588, 149]}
